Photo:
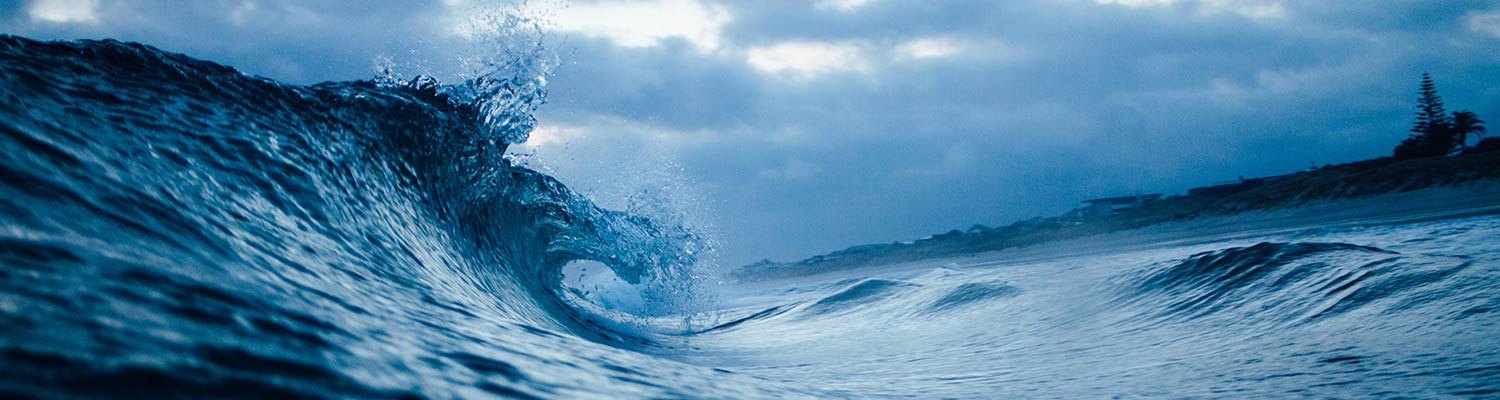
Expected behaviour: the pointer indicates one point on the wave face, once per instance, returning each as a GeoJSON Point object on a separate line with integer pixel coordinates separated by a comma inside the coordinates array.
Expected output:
{"type": "Point", "coordinates": [173, 227]}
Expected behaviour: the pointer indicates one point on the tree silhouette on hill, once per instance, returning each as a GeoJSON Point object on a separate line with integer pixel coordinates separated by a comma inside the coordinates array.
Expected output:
{"type": "Point", "coordinates": [1465, 123]}
{"type": "Point", "coordinates": [1435, 132]}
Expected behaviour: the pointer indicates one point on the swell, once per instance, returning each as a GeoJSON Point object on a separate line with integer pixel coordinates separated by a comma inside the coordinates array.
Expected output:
{"type": "Point", "coordinates": [1295, 283]}
{"type": "Point", "coordinates": [180, 208]}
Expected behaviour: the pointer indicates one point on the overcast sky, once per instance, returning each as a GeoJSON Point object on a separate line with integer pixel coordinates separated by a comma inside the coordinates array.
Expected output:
{"type": "Point", "coordinates": [796, 128]}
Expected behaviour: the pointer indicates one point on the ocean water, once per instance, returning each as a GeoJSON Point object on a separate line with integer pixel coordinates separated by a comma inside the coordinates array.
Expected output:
{"type": "Point", "coordinates": [170, 227]}
{"type": "Point", "coordinates": [1377, 311]}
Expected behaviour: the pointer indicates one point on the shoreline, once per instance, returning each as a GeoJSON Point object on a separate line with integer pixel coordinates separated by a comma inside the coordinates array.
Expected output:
{"type": "Point", "coordinates": [1470, 199]}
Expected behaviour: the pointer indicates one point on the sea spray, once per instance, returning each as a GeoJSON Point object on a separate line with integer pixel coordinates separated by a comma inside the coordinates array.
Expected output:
{"type": "Point", "coordinates": [503, 76]}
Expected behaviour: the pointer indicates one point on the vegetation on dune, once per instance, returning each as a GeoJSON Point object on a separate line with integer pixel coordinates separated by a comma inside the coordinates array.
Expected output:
{"type": "Point", "coordinates": [1435, 132]}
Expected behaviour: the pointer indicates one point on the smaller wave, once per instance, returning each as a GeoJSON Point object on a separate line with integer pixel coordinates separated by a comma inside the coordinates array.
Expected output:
{"type": "Point", "coordinates": [972, 293]}
{"type": "Point", "coordinates": [763, 314]}
{"type": "Point", "coordinates": [1292, 282]}
{"type": "Point", "coordinates": [865, 292]}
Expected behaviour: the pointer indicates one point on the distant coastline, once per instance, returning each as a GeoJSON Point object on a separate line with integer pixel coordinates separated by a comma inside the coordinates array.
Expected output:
{"type": "Point", "coordinates": [1356, 180]}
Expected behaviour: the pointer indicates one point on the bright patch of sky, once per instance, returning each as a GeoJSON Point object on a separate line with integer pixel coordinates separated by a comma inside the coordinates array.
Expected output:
{"type": "Point", "coordinates": [63, 10]}
{"type": "Point", "coordinates": [1487, 23]}
{"type": "Point", "coordinates": [1258, 9]}
{"type": "Point", "coordinates": [554, 134]}
{"type": "Point", "coordinates": [842, 5]}
{"type": "Point", "coordinates": [807, 58]}
{"type": "Point", "coordinates": [643, 23]}
{"type": "Point", "coordinates": [927, 48]}
{"type": "Point", "coordinates": [250, 11]}
{"type": "Point", "coordinates": [1138, 3]}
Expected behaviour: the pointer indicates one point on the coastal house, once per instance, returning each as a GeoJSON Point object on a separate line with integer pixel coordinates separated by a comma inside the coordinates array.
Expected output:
{"type": "Point", "coordinates": [1099, 208]}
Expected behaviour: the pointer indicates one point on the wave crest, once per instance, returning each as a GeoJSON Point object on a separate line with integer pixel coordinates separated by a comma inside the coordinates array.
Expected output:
{"type": "Point", "coordinates": [1287, 282]}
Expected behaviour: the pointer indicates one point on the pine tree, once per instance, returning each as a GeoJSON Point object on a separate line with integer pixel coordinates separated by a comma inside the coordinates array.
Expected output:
{"type": "Point", "coordinates": [1432, 133]}
{"type": "Point", "coordinates": [1431, 118]}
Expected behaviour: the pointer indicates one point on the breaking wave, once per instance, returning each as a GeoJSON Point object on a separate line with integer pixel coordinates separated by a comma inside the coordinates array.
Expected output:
{"type": "Point", "coordinates": [171, 214]}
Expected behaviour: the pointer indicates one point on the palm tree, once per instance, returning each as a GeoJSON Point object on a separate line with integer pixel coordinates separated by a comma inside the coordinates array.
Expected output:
{"type": "Point", "coordinates": [1465, 123]}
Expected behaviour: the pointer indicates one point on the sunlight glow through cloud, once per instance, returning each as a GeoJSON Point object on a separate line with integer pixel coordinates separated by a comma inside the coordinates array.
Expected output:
{"type": "Point", "coordinates": [842, 5]}
{"type": "Point", "coordinates": [63, 11]}
{"type": "Point", "coordinates": [1487, 23]}
{"type": "Point", "coordinates": [548, 134]}
{"type": "Point", "coordinates": [645, 24]}
{"type": "Point", "coordinates": [1257, 9]}
{"type": "Point", "coordinates": [1137, 3]}
{"type": "Point", "coordinates": [927, 48]}
{"type": "Point", "coordinates": [807, 58]}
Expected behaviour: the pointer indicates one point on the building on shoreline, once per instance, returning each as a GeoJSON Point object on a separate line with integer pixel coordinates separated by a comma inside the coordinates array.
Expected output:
{"type": "Point", "coordinates": [1100, 208]}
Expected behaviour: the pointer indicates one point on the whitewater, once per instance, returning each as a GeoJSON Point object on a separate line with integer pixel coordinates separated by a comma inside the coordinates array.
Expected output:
{"type": "Point", "coordinates": [171, 227]}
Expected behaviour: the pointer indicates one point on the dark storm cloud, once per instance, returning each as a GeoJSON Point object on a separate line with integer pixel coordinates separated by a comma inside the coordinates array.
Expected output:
{"type": "Point", "coordinates": [1023, 108]}
{"type": "Point", "coordinates": [1047, 103]}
